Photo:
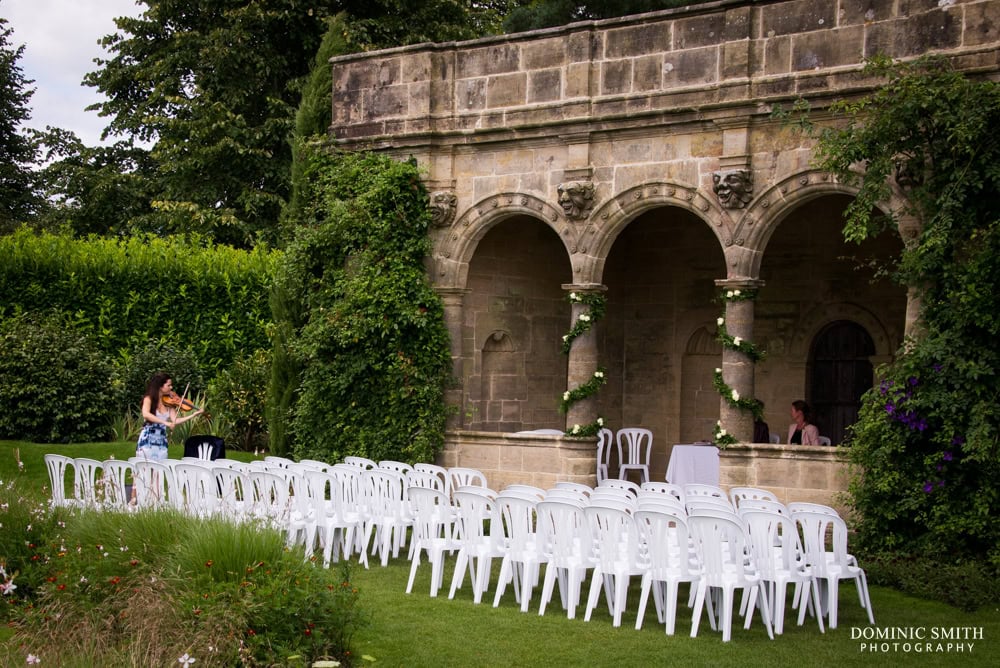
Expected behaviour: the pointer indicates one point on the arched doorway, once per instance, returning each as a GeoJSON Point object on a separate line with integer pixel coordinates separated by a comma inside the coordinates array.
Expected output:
{"type": "Point", "coordinates": [840, 371]}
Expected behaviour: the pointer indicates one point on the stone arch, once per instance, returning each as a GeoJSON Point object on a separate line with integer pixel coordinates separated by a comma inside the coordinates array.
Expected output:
{"type": "Point", "coordinates": [813, 322]}
{"type": "Point", "coordinates": [767, 211]}
{"type": "Point", "coordinates": [611, 218]}
{"type": "Point", "coordinates": [458, 243]}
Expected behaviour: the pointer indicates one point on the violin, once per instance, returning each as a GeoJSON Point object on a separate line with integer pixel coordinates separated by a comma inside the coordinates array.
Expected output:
{"type": "Point", "coordinates": [174, 400]}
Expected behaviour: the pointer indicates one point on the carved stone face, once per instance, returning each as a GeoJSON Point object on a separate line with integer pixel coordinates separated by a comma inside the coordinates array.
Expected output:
{"type": "Point", "coordinates": [442, 208]}
{"type": "Point", "coordinates": [576, 199]}
{"type": "Point", "coordinates": [734, 188]}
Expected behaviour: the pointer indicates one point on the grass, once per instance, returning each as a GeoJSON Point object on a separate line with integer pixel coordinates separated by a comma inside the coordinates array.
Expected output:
{"type": "Point", "coordinates": [416, 630]}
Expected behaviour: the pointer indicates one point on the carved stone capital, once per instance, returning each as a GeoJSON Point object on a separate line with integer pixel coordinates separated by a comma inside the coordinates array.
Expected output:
{"type": "Point", "coordinates": [576, 199]}
{"type": "Point", "coordinates": [733, 187]}
{"type": "Point", "coordinates": [443, 205]}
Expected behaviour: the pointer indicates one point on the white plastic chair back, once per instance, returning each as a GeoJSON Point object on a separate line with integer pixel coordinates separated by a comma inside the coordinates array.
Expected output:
{"type": "Point", "coordinates": [155, 484]}
{"type": "Point", "coordinates": [618, 483]}
{"type": "Point", "coordinates": [387, 510]}
{"type": "Point", "coordinates": [634, 446]}
{"type": "Point", "coordinates": [439, 471]}
{"type": "Point", "coordinates": [610, 497]}
{"type": "Point", "coordinates": [664, 537]}
{"type": "Point", "coordinates": [567, 495]}
{"type": "Point", "coordinates": [740, 494]}
{"type": "Point", "coordinates": [205, 451]}
{"type": "Point", "coordinates": [803, 507]}
{"type": "Point", "coordinates": [831, 565]}
{"type": "Point", "coordinates": [605, 439]}
{"type": "Point", "coordinates": [522, 554]}
{"type": "Point", "coordinates": [196, 486]}
{"type": "Point", "coordinates": [697, 489]}
{"type": "Point", "coordinates": [360, 462]}
{"type": "Point", "coordinates": [270, 498]}
{"type": "Point", "coordinates": [431, 532]}
{"type": "Point", "coordinates": [719, 502]}
{"type": "Point", "coordinates": [351, 508]}
{"type": "Point", "coordinates": [824, 440]}
{"type": "Point", "coordinates": [402, 468]}
{"type": "Point", "coordinates": [725, 556]}
{"type": "Point", "coordinates": [778, 554]}
{"type": "Point", "coordinates": [427, 480]}
{"type": "Point", "coordinates": [112, 490]}
{"type": "Point", "coordinates": [576, 486]}
{"type": "Point", "coordinates": [670, 488]}
{"type": "Point", "coordinates": [616, 546]}
{"type": "Point", "coordinates": [564, 539]}
{"type": "Point", "coordinates": [662, 502]}
{"type": "Point", "coordinates": [760, 504]}
{"type": "Point", "coordinates": [531, 490]}
{"type": "Point", "coordinates": [235, 494]}
{"type": "Point", "coordinates": [282, 462]}
{"type": "Point", "coordinates": [481, 538]}
{"type": "Point", "coordinates": [314, 464]}
{"type": "Point", "coordinates": [85, 481]}
{"type": "Point", "coordinates": [462, 477]}
{"type": "Point", "coordinates": [57, 465]}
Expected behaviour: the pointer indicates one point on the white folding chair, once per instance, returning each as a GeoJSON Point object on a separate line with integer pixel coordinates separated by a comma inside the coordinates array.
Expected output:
{"type": "Point", "coordinates": [112, 489]}
{"type": "Point", "coordinates": [387, 512]}
{"type": "Point", "coordinates": [57, 465]}
{"type": "Point", "coordinates": [634, 446]}
{"type": "Point", "coordinates": [85, 481]}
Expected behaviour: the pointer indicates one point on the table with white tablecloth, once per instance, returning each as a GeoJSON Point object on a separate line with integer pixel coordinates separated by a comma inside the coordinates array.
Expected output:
{"type": "Point", "coordinates": [693, 463]}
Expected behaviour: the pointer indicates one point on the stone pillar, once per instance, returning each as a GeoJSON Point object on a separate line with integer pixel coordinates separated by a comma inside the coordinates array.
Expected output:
{"type": "Point", "coordinates": [582, 358]}
{"type": "Point", "coordinates": [737, 368]}
{"type": "Point", "coordinates": [454, 300]}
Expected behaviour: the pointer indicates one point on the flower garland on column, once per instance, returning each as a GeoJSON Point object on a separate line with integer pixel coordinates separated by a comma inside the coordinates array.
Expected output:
{"type": "Point", "coordinates": [597, 307]}
{"type": "Point", "coordinates": [721, 437]}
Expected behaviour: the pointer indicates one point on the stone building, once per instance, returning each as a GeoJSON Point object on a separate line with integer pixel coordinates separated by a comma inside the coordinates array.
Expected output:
{"type": "Point", "coordinates": [639, 158]}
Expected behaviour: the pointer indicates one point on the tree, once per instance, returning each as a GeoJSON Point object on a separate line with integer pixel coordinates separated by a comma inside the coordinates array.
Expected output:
{"type": "Point", "coordinates": [359, 320]}
{"type": "Point", "coordinates": [18, 196]}
{"type": "Point", "coordinates": [928, 440]}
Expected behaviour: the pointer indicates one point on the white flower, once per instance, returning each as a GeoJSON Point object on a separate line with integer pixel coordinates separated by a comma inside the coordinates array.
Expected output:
{"type": "Point", "coordinates": [7, 587]}
{"type": "Point", "coordinates": [565, 337]}
{"type": "Point", "coordinates": [598, 374]}
{"type": "Point", "coordinates": [576, 429]}
{"type": "Point", "coordinates": [722, 432]}
{"type": "Point", "coordinates": [737, 340]}
{"type": "Point", "coordinates": [584, 317]}
{"type": "Point", "coordinates": [572, 296]}
{"type": "Point", "coordinates": [186, 660]}
{"type": "Point", "coordinates": [736, 293]}
{"type": "Point", "coordinates": [600, 421]}
{"type": "Point", "coordinates": [729, 294]}
{"type": "Point", "coordinates": [32, 660]}
{"type": "Point", "coordinates": [720, 321]}
{"type": "Point", "coordinates": [566, 396]}
{"type": "Point", "coordinates": [718, 370]}
{"type": "Point", "coordinates": [736, 395]}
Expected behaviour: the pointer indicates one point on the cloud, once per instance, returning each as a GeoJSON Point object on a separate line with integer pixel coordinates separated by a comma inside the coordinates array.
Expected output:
{"type": "Point", "coordinates": [60, 39]}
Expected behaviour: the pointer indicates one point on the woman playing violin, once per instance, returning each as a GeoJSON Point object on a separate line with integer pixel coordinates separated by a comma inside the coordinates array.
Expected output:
{"type": "Point", "coordinates": [159, 415]}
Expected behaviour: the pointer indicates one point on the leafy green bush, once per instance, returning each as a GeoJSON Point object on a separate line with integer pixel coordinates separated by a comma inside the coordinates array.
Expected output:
{"type": "Point", "coordinates": [55, 384]}
{"type": "Point", "coordinates": [236, 400]}
{"type": "Point", "coordinates": [967, 585]}
{"type": "Point", "coordinates": [147, 588]}
{"type": "Point", "coordinates": [364, 334]}
{"type": "Point", "coordinates": [144, 361]}
{"type": "Point", "coordinates": [184, 292]}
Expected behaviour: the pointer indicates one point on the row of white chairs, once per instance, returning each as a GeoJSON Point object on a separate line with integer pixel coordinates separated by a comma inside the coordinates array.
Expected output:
{"type": "Point", "coordinates": [621, 530]}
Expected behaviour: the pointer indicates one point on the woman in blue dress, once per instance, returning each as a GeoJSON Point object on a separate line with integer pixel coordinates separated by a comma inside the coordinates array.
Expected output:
{"type": "Point", "coordinates": [158, 417]}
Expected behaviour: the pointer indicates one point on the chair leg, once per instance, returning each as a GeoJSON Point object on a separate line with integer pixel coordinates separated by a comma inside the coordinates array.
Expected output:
{"type": "Point", "coordinates": [699, 602]}
{"type": "Point", "coordinates": [646, 584]}
{"type": "Point", "coordinates": [671, 607]}
{"type": "Point", "coordinates": [547, 585]}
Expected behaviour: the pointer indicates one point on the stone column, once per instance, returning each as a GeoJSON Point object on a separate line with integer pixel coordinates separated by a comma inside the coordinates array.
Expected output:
{"type": "Point", "coordinates": [454, 300]}
{"type": "Point", "coordinates": [582, 358]}
{"type": "Point", "coordinates": [737, 368]}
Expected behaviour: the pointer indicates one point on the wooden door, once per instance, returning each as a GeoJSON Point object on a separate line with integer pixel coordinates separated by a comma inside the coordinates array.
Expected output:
{"type": "Point", "coordinates": [840, 372]}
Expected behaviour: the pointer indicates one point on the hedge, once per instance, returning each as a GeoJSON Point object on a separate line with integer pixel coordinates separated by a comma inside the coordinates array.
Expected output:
{"type": "Point", "coordinates": [211, 299]}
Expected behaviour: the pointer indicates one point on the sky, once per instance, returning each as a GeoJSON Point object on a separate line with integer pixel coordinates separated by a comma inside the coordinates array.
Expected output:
{"type": "Point", "coordinates": [60, 43]}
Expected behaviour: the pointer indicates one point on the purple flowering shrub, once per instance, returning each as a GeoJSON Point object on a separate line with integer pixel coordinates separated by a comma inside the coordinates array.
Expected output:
{"type": "Point", "coordinates": [927, 455]}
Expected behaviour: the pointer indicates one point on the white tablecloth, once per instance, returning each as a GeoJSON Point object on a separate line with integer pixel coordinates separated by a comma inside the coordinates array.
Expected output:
{"type": "Point", "coordinates": [693, 464]}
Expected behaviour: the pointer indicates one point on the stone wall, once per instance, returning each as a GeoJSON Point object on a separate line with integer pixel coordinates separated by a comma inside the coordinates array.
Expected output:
{"type": "Point", "coordinates": [648, 119]}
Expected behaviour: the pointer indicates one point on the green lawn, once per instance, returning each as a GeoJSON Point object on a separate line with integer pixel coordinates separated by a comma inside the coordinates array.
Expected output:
{"type": "Point", "coordinates": [416, 630]}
